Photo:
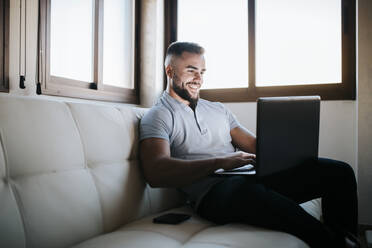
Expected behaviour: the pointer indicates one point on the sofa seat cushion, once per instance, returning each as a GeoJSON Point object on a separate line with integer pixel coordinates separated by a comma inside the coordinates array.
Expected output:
{"type": "Point", "coordinates": [197, 233]}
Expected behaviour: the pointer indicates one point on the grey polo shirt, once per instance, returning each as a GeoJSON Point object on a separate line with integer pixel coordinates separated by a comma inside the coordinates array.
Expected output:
{"type": "Point", "coordinates": [202, 134]}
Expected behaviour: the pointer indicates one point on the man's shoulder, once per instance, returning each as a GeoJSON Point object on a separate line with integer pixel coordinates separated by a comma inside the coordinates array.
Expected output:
{"type": "Point", "coordinates": [209, 104]}
{"type": "Point", "coordinates": [158, 111]}
{"type": "Point", "coordinates": [156, 123]}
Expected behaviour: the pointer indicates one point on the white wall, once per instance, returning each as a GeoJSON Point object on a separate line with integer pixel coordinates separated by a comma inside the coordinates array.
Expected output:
{"type": "Point", "coordinates": [338, 128]}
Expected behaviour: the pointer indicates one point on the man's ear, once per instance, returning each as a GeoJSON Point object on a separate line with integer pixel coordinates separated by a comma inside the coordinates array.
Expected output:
{"type": "Point", "coordinates": [169, 71]}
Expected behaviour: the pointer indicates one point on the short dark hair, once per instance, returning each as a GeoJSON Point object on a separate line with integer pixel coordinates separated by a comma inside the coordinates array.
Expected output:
{"type": "Point", "coordinates": [178, 47]}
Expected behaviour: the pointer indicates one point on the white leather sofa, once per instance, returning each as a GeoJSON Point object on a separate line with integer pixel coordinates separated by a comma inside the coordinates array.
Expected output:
{"type": "Point", "coordinates": [70, 177]}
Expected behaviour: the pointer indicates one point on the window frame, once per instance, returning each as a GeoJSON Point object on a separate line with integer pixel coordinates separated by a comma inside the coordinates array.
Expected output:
{"type": "Point", "coordinates": [96, 90]}
{"type": "Point", "coordinates": [345, 90]}
{"type": "Point", "coordinates": [4, 46]}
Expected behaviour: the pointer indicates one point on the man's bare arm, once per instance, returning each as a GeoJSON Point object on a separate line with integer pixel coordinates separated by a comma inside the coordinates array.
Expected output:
{"type": "Point", "coordinates": [243, 139]}
{"type": "Point", "coordinates": [161, 170]}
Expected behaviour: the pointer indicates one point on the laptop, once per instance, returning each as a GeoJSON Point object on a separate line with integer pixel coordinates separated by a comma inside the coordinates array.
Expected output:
{"type": "Point", "coordinates": [287, 134]}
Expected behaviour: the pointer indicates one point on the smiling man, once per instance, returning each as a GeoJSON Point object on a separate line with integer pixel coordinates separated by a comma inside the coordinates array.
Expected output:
{"type": "Point", "coordinates": [185, 139]}
{"type": "Point", "coordinates": [186, 75]}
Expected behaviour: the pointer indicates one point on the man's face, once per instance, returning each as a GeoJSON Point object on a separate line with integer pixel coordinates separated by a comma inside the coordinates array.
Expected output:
{"type": "Point", "coordinates": [187, 76]}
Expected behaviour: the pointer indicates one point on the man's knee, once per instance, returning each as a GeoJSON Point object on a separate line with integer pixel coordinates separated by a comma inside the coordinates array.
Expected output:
{"type": "Point", "coordinates": [341, 171]}
{"type": "Point", "coordinates": [348, 175]}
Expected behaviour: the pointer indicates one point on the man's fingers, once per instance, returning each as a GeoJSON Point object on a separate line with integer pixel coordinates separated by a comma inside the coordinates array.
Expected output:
{"type": "Point", "coordinates": [253, 162]}
{"type": "Point", "coordinates": [245, 161]}
{"type": "Point", "coordinates": [249, 155]}
{"type": "Point", "coordinates": [241, 162]}
{"type": "Point", "coordinates": [250, 161]}
{"type": "Point", "coordinates": [242, 154]}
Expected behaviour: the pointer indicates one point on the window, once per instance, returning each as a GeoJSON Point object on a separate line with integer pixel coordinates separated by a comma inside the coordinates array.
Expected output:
{"type": "Point", "coordinates": [88, 49]}
{"type": "Point", "coordinates": [4, 33]}
{"type": "Point", "coordinates": [270, 47]}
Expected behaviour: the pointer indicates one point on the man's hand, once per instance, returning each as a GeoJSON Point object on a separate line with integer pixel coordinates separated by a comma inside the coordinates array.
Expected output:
{"type": "Point", "coordinates": [161, 170]}
{"type": "Point", "coordinates": [235, 160]}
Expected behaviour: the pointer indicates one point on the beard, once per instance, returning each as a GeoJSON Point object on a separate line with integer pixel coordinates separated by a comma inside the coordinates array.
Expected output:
{"type": "Point", "coordinates": [184, 94]}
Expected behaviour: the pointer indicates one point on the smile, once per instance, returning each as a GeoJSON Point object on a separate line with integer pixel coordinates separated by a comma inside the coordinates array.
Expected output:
{"type": "Point", "coordinates": [193, 86]}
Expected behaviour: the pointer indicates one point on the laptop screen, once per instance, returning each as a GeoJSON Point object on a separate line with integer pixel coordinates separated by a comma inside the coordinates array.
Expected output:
{"type": "Point", "coordinates": [287, 132]}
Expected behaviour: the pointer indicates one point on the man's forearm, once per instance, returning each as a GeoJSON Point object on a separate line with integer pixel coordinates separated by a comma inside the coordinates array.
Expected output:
{"type": "Point", "coordinates": [161, 170]}
{"type": "Point", "coordinates": [171, 172]}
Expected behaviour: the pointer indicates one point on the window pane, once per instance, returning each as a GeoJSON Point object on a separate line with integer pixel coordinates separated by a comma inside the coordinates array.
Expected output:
{"type": "Point", "coordinates": [298, 42]}
{"type": "Point", "coordinates": [221, 27]}
{"type": "Point", "coordinates": [118, 44]}
{"type": "Point", "coordinates": [71, 39]}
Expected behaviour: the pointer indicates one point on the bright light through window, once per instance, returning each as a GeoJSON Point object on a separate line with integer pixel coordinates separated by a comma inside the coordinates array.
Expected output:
{"type": "Point", "coordinates": [221, 27]}
{"type": "Point", "coordinates": [118, 43]}
{"type": "Point", "coordinates": [298, 42]}
{"type": "Point", "coordinates": [71, 39]}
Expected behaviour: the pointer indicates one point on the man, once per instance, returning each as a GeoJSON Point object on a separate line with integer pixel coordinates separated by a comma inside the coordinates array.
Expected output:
{"type": "Point", "coordinates": [184, 139]}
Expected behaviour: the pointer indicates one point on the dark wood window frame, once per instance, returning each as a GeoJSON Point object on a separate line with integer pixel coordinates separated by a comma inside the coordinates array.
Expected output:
{"type": "Point", "coordinates": [4, 46]}
{"type": "Point", "coordinates": [96, 90]}
{"type": "Point", "coordinates": [345, 90]}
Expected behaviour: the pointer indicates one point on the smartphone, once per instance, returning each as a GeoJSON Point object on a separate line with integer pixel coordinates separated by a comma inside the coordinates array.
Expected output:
{"type": "Point", "coordinates": [171, 218]}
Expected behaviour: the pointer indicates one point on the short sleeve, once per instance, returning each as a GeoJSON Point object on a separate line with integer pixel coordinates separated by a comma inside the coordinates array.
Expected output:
{"type": "Point", "coordinates": [231, 118]}
{"type": "Point", "coordinates": [156, 123]}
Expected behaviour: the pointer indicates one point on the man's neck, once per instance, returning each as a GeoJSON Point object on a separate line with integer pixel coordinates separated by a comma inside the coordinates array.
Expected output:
{"type": "Point", "coordinates": [177, 97]}
{"type": "Point", "coordinates": [181, 100]}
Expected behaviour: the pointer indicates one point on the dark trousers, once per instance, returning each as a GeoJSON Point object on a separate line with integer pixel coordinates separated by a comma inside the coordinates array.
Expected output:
{"type": "Point", "coordinates": [273, 201]}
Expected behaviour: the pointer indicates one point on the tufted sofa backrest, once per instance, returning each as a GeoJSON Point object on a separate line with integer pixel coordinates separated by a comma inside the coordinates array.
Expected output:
{"type": "Point", "coordinates": [70, 171]}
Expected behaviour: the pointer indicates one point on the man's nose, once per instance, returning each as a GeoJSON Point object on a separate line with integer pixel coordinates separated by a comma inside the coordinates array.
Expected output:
{"type": "Point", "coordinates": [198, 76]}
